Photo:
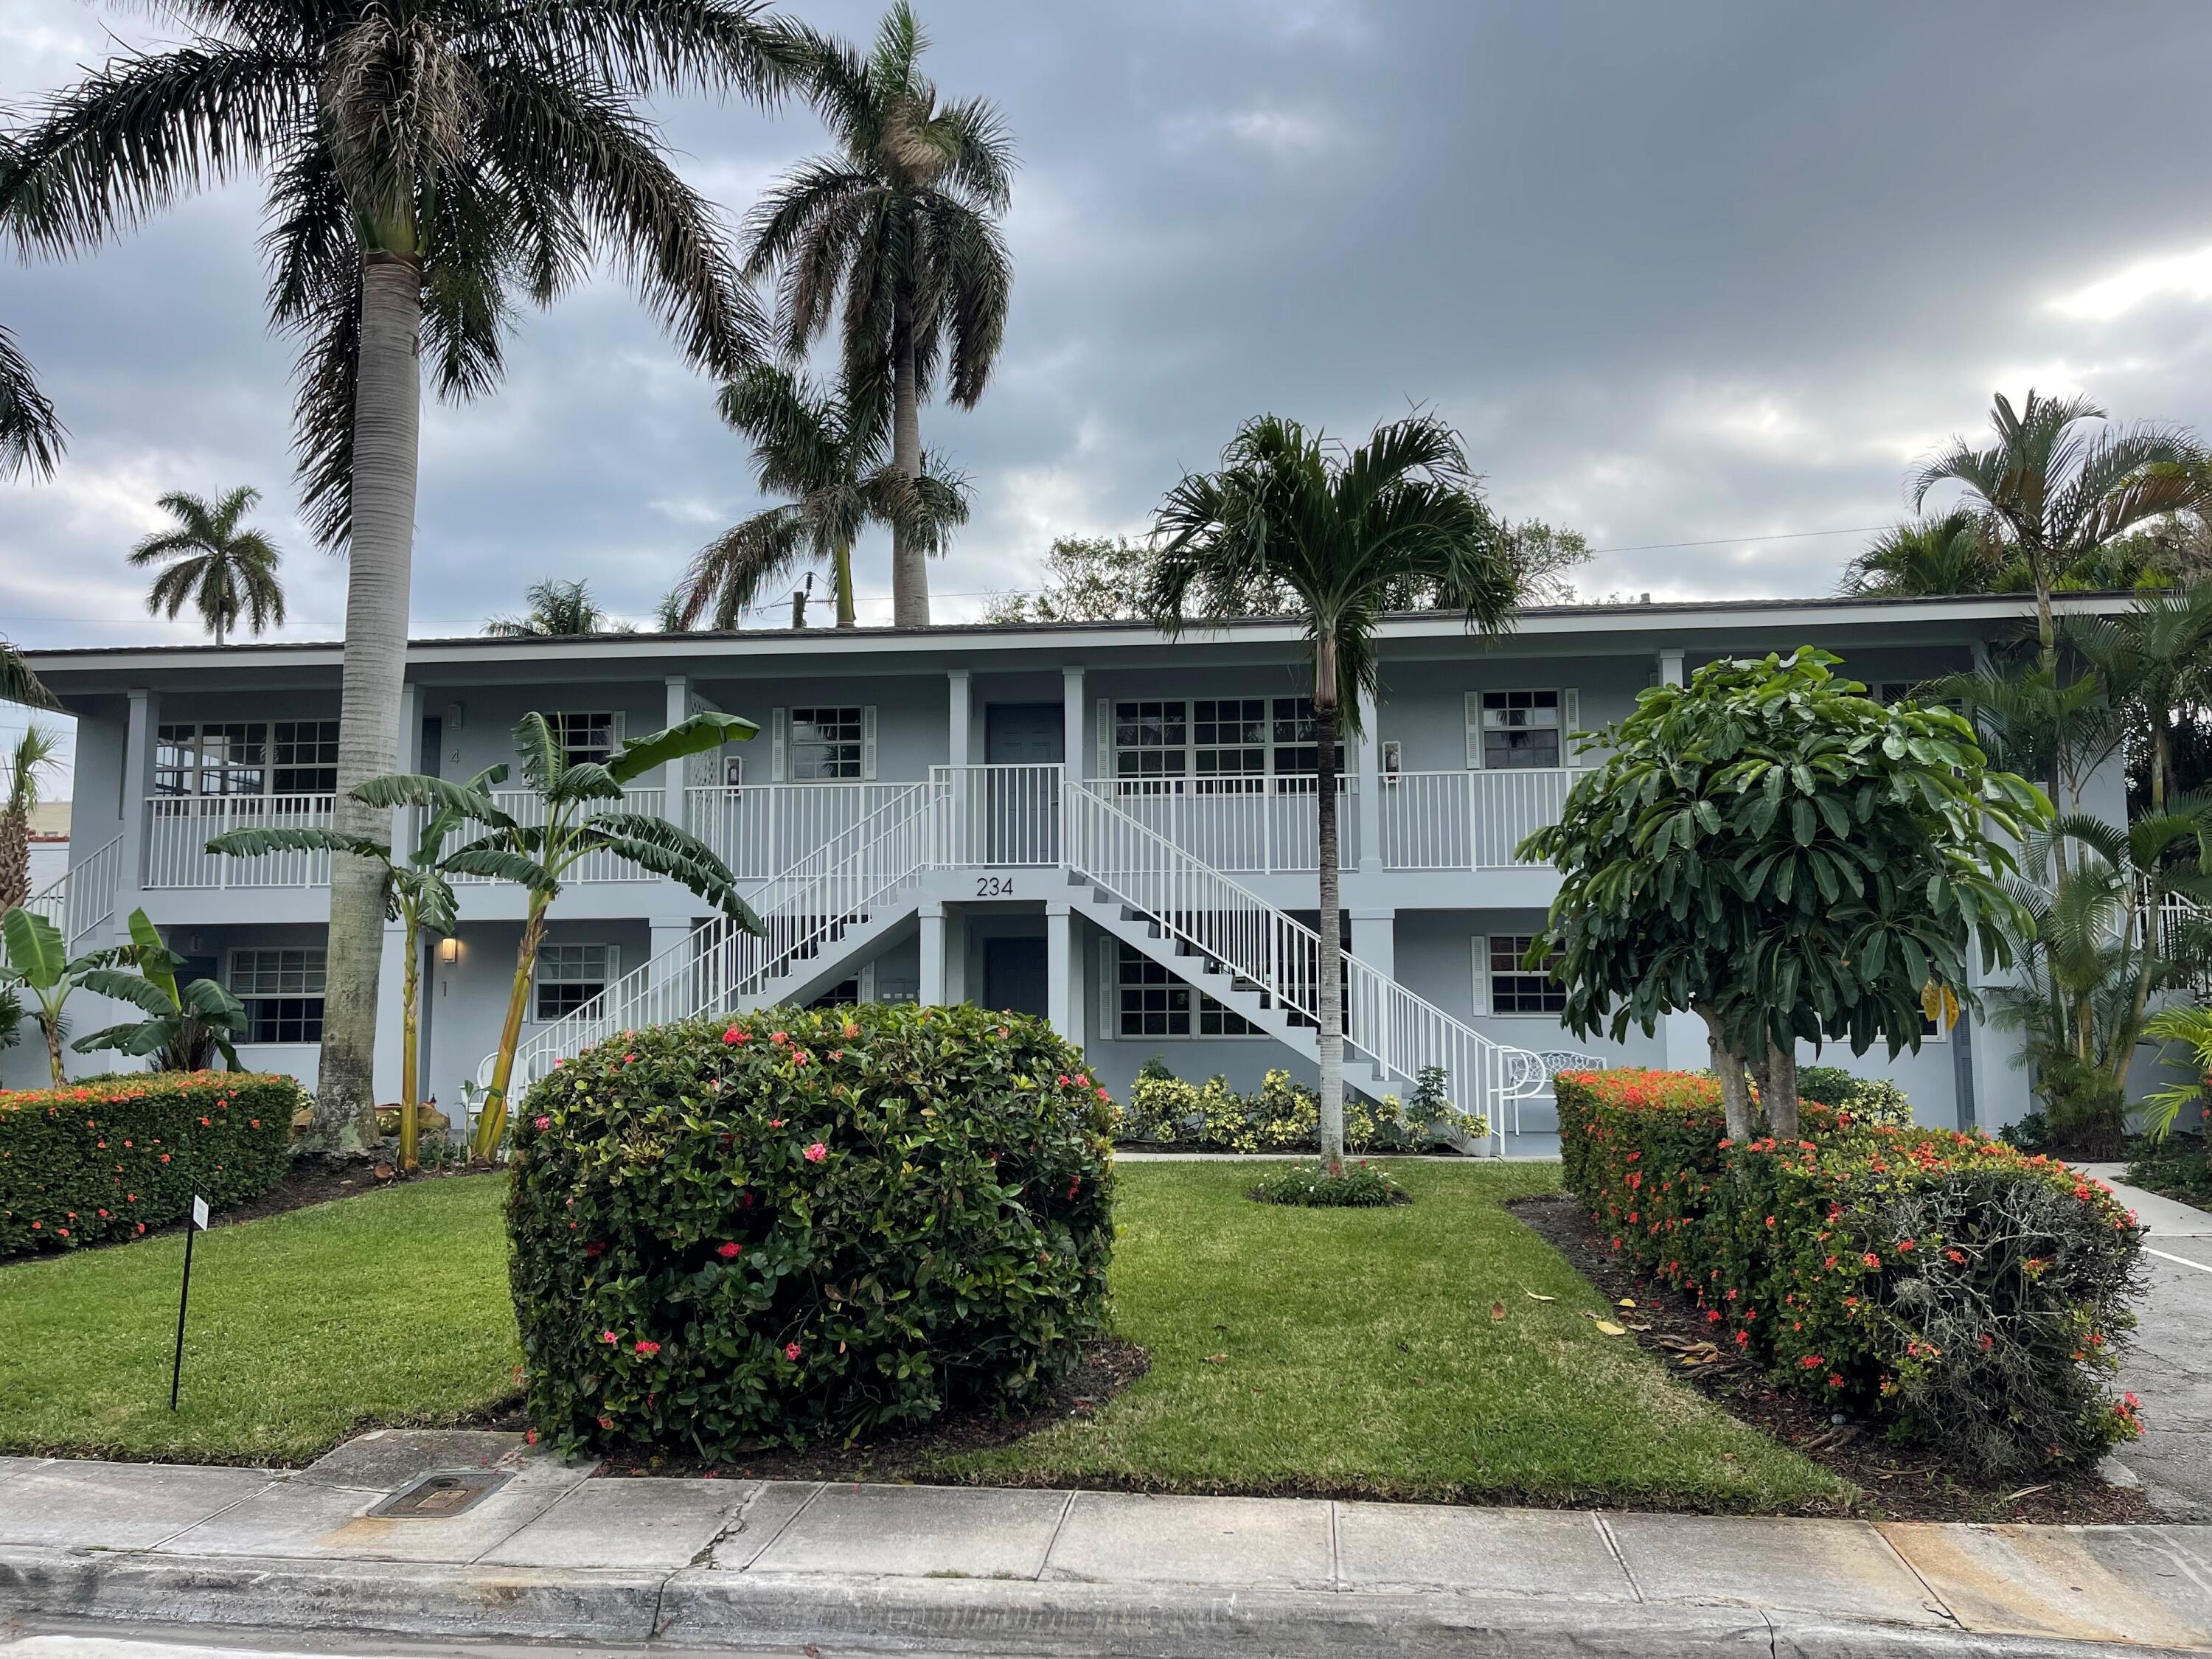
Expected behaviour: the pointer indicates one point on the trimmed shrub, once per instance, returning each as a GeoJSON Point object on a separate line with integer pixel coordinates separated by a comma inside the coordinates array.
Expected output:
{"type": "Point", "coordinates": [1284, 1116]}
{"type": "Point", "coordinates": [110, 1158]}
{"type": "Point", "coordinates": [797, 1224]}
{"type": "Point", "coordinates": [1967, 1295]}
{"type": "Point", "coordinates": [1357, 1186]}
{"type": "Point", "coordinates": [1868, 1099]}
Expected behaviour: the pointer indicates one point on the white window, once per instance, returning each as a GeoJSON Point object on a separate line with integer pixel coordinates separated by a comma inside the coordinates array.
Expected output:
{"type": "Point", "coordinates": [1513, 988]}
{"type": "Point", "coordinates": [1215, 746]}
{"type": "Point", "coordinates": [568, 976]}
{"type": "Point", "coordinates": [237, 757]}
{"type": "Point", "coordinates": [1517, 729]}
{"type": "Point", "coordinates": [1149, 1001]}
{"type": "Point", "coordinates": [586, 738]}
{"type": "Point", "coordinates": [304, 757]}
{"type": "Point", "coordinates": [826, 743]}
{"type": "Point", "coordinates": [282, 991]}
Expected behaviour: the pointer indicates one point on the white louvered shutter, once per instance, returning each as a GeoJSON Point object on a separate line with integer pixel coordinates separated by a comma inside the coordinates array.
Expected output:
{"type": "Point", "coordinates": [779, 731]}
{"type": "Point", "coordinates": [1110, 989]}
{"type": "Point", "coordinates": [868, 744]}
{"type": "Point", "coordinates": [1474, 731]}
{"type": "Point", "coordinates": [1482, 975]}
{"type": "Point", "coordinates": [1106, 743]}
{"type": "Point", "coordinates": [1570, 715]}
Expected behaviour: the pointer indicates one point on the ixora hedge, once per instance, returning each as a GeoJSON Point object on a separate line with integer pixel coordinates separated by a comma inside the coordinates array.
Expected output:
{"type": "Point", "coordinates": [113, 1155]}
{"type": "Point", "coordinates": [797, 1225]}
{"type": "Point", "coordinates": [1966, 1295]}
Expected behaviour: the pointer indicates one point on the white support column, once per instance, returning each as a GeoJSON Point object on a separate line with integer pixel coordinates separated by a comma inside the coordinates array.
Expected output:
{"type": "Point", "coordinates": [959, 715]}
{"type": "Point", "coordinates": [1375, 938]}
{"type": "Point", "coordinates": [932, 913]}
{"type": "Point", "coordinates": [1071, 702]}
{"type": "Point", "coordinates": [137, 784]}
{"type": "Point", "coordinates": [956, 958]}
{"type": "Point", "coordinates": [674, 805]}
{"type": "Point", "coordinates": [1059, 967]}
{"type": "Point", "coordinates": [1367, 780]}
{"type": "Point", "coordinates": [405, 821]}
{"type": "Point", "coordinates": [391, 986]}
{"type": "Point", "coordinates": [1670, 667]}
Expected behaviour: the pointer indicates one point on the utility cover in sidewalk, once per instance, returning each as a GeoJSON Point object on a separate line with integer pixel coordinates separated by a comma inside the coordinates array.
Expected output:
{"type": "Point", "coordinates": [436, 1496]}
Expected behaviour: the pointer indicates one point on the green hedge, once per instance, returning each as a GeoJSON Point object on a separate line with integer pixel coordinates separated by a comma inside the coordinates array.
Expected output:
{"type": "Point", "coordinates": [1963, 1294]}
{"type": "Point", "coordinates": [796, 1225]}
{"type": "Point", "coordinates": [114, 1156]}
{"type": "Point", "coordinates": [1285, 1116]}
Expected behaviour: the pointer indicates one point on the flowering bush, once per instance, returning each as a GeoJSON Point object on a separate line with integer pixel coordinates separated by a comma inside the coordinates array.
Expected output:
{"type": "Point", "coordinates": [1968, 1295]}
{"type": "Point", "coordinates": [111, 1156]}
{"type": "Point", "coordinates": [797, 1224]}
{"type": "Point", "coordinates": [1284, 1116]}
{"type": "Point", "coordinates": [1868, 1099]}
{"type": "Point", "coordinates": [1357, 1186]}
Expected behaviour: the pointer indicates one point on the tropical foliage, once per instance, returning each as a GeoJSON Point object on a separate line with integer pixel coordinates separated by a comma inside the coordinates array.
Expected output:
{"type": "Point", "coordinates": [1341, 531]}
{"type": "Point", "coordinates": [211, 561]}
{"type": "Point", "coordinates": [895, 239]}
{"type": "Point", "coordinates": [1769, 848]}
{"type": "Point", "coordinates": [830, 454]}
{"type": "Point", "coordinates": [557, 610]}
{"type": "Point", "coordinates": [31, 433]}
{"type": "Point", "coordinates": [183, 1021]}
{"type": "Point", "coordinates": [38, 966]}
{"type": "Point", "coordinates": [34, 757]}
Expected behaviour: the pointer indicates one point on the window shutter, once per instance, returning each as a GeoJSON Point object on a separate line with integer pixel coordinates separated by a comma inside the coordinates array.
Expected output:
{"type": "Point", "coordinates": [1474, 731]}
{"type": "Point", "coordinates": [1481, 974]}
{"type": "Point", "coordinates": [614, 963]}
{"type": "Point", "coordinates": [779, 726]}
{"type": "Point", "coordinates": [868, 744]}
{"type": "Point", "coordinates": [1571, 717]}
{"type": "Point", "coordinates": [1110, 989]}
{"type": "Point", "coordinates": [1105, 740]}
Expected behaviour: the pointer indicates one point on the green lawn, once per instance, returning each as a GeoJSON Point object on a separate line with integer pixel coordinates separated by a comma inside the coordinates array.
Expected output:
{"type": "Point", "coordinates": [1358, 1355]}
{"type": "Point", "coordinates": [388, 1308]}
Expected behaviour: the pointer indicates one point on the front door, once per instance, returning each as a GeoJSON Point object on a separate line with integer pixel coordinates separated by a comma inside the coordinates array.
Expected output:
{"type": "Point", "coordinates": [1020, 802]}
{"type": "Point", "coordinates": [1013, 975]}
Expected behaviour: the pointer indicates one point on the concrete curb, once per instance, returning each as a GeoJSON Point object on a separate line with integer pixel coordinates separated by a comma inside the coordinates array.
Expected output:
{"type": "Point", "coordinates": [705, 1607]}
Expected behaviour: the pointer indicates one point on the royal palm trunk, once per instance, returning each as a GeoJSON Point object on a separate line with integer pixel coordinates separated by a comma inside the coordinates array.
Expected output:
{"type": "Point", "coordinates": [387, 415]}
{"type": "Point", "coordinates": [910, 559]}
{"type": "Point", "coordinates": [1329, 1012]}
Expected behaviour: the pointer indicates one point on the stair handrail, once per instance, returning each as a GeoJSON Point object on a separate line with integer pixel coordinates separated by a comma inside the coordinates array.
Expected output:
{"type": "Point", "coordinates": [67, 899]}
{"type": "Point", "coordinates": [715, 964]}
{"type": "Point", "coordinates": [1227, 922]}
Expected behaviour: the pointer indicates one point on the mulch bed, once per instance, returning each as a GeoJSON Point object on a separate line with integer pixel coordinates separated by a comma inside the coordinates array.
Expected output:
{"type": "Point", "coordinates": [1107, 1367]}
{"type": "Point", "coordinates": [1901, 1483]}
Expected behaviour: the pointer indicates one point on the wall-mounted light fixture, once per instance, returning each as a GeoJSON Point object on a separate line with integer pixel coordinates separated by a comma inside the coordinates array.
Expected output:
{"type": "Point", "coordinates": [449, 950]}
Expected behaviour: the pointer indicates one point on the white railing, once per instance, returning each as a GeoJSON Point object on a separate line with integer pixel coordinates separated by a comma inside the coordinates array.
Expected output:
{"type": "Point", "coordinates": [997, 817]}
{"type": "Point", "coordinates": [1259, 826]}
{"type": "Point", "coordinates": [761, 830]}
{"type": "Point", "coordinates": [81, 899]}
{"type": "Point", "coordinates": [1468, 820]}
{"type": "Point", "coordinates": [719, 966]}
{"type": "Point", "coordinates": [1231, 924]}
{"type": "Point", "coordinates": [527, 807]}
{"type": "Point", "coordinates": [179, 827]}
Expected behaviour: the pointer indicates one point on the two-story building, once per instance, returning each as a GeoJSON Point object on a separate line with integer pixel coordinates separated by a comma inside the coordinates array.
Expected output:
{"type": "Point", "coordinates": [1086, 822]}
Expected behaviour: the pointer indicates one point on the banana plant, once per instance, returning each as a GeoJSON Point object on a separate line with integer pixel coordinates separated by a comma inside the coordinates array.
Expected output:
{"type": "Point", "coordinates": [178, 1016]}
{"type": "Point", "coordinates": [37, 962]}
{"type": "Point", "coordinates": [418, 894]}
{"type": "Point", "coordinates": [570, 820]}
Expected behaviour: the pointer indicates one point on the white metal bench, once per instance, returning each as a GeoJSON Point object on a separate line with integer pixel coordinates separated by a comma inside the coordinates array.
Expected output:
{"type": "Point", "coordinates": [1529, 1071]}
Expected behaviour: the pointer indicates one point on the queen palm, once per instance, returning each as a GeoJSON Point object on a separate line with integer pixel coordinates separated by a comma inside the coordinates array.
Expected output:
{"type": "Point", "coordinates": [210, 561]}
{"type": "Point", "coordinates": [558, 611]}
{"type": "Point", "coordinates": [428, 162]}
{"type": "Point", "coordinates": [1343, 530]}
{"type": "Point", "coordinates": [1950, 553]}
{"type": "Point", "coordinates": [896, 239]}
{"type": "Point", "coordinates": [829, 458]}
{"type": "Point", "coordinates": [2053, 494]}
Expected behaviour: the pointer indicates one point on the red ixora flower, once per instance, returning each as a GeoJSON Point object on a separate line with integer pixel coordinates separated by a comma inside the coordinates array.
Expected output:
{"type": "Point", "coordinates": [595, 1248]}
{"type": "Point", "coordinates": [816, 1153]}
{"type": "Point", "coordinates": [649, 1349]}
{"type": "Point", "coordinates": [609, 1337]}
{"type": "Point", "coordinates": [1063, 1079]}
{"type": "Point", "coordinates": [776, 1123]}
{"type": "Point", "coordinates": [1871, 1259]}
{"type": "Point", "coordinates": [734, 1035]}
{"type": "Point", "coordinates": [541, 1124]}
{"type": "Point", "coordinates": [729, 1250]}
{"type": "Point", "coordinates": [779, 1036]}
{"type": "Point", "coordinates": [606, 1422]}
{"type": "Point", "coordinates": [791, 1351]}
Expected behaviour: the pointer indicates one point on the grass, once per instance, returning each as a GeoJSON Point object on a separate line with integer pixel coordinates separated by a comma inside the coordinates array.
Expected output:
{"type": "Point", "coordinates": [388, 1308]}
{"type": "Point", "coordinates": [1352, 1352]}
{"type": "Point", "coordinates": [1356, 1353]}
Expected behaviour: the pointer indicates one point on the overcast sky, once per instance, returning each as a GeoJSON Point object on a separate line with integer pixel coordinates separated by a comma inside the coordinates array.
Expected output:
{"type": "Point", "coordinates": [1680, 273]}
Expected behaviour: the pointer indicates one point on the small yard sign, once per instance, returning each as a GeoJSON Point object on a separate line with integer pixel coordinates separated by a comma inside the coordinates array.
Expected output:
{"type": "Point", "coordinates": [184, 1295]}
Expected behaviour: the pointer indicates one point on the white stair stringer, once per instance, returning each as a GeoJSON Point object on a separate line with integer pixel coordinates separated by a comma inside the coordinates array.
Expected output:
{"type": "Point", "coordinates": [1225, 934]}
{"type": "Point", "coordinates": [815, 917]}
{"type": "Point", "coordinates": [81, 901]}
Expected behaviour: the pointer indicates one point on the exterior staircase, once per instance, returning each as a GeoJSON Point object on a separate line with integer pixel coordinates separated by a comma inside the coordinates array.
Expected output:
{"type": "Point", "coordinates": [81, 901]}
{"type": "Point", "coordinates": [861, 887]}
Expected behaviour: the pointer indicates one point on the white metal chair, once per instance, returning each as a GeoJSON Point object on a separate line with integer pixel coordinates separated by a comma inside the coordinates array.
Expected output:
{"type": "Point", "coordinates": [1529, 1071]}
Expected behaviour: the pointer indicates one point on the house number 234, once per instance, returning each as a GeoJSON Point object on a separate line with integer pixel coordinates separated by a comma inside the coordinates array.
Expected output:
{"type": "Point", "coordinates": [994, 887]}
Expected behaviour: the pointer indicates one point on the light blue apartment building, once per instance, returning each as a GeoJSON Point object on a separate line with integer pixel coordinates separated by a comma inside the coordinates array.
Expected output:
{"type": "Point", "coordinates": [1086, 822]}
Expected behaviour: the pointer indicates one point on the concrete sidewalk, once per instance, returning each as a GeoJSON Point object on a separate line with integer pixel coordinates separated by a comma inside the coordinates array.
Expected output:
{"type": "Point", "coordinates": [552, 1553]}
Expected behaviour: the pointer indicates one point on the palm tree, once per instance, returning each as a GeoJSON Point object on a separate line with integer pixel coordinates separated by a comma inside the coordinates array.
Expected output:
{"type": "Point", "coordinates": [1342, 531]}
{"type": "Point", "coordinates": [30, 433]}
{"type": "Point", "coordinates": [2053, 495]}
{"type": "Point", "coordinates": [224, 570]}
{"type": "Point", "coordinates": [825, 453]}
{"type": "Point", "coordinates": [1950, 553]}
{"type": "Point", "coordinates": [558, 611]}
{"type": "Point", "coordinates": [895, 237]}
{"type": "Point", "coordinates": [35, 755]}
{"type": "Point", "coordinates": [425, 162]}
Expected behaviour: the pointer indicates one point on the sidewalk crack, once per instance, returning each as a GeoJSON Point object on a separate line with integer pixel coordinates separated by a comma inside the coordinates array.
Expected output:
{"type": "Point", "coordinates": [1935, 1602]}
{"type": "Point", "coordinates": [1060, 1523]}
{"type": "Point", "coordinates": [1612, 1548]}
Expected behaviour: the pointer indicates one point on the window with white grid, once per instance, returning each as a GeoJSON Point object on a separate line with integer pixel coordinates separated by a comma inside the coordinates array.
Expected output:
{"type": "Point", "coordinates": [825, 743]}
{"type": "Point", "coordinates": [1151, 1002]}
{"type": "Point", "coordinates": [568, 976]}
{"type": "Point", "coordinates": [1521, 729]}
{"type": "Point", "coordinates": [304, 757]}
{"type": "Point", "coordinates": [1515, 989]}
{"type": "Point", "coordinates": [282, 991]}
{"type": "Point", "coordinates": [1215, 746]}
{"type": "Point", "coordinates": [585, 737]}
{"type": "Point", "coordinates": [1152, 747]}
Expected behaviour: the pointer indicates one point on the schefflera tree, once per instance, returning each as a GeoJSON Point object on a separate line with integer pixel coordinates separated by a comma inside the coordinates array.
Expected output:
{"type": "Point", "coordinates": [1770, 849]}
